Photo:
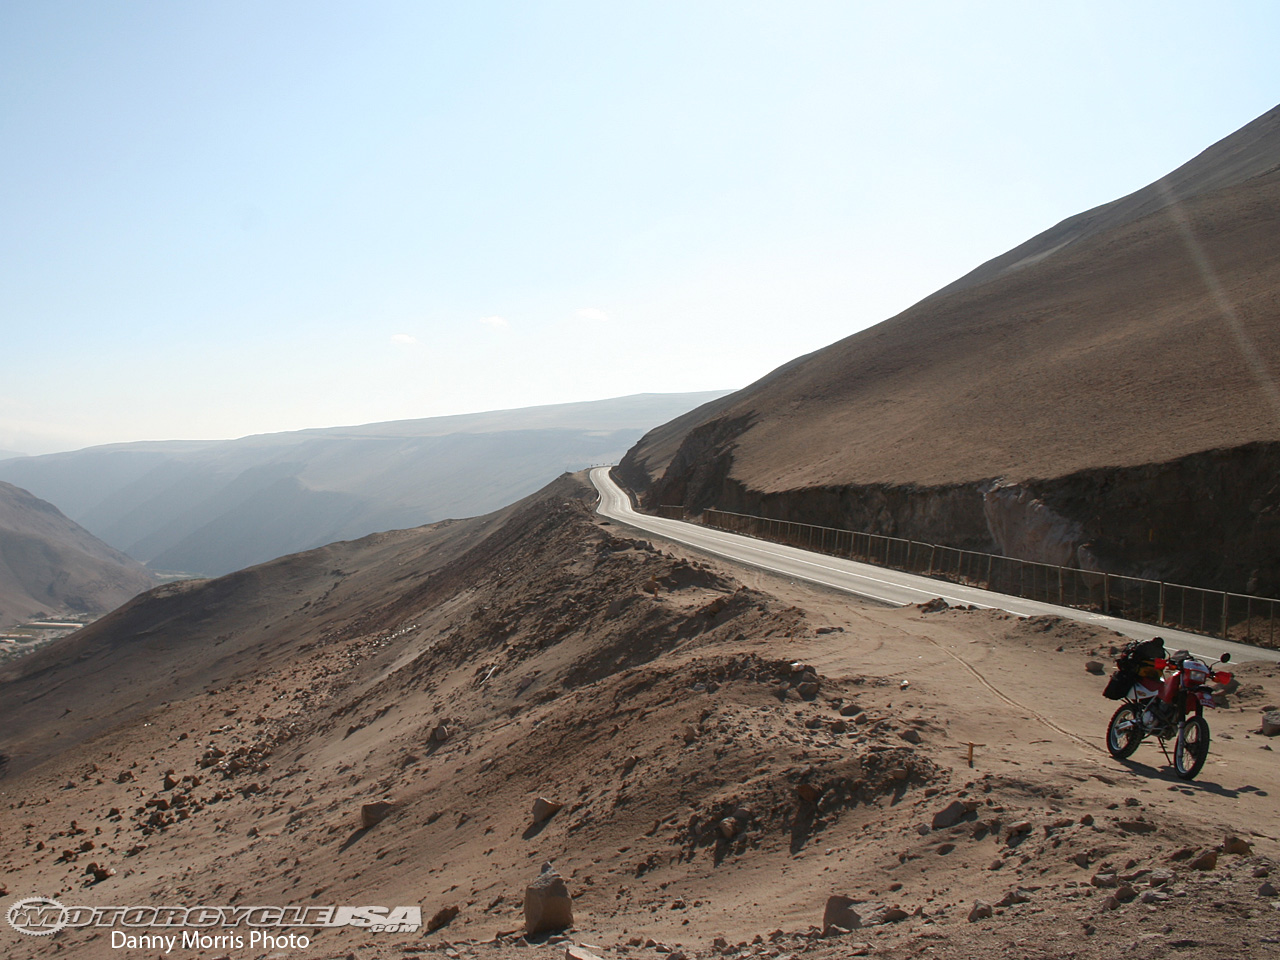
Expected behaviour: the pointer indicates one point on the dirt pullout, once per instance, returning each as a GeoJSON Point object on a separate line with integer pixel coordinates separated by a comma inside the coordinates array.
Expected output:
{"type": "Point", "coordinates": [728, 750]}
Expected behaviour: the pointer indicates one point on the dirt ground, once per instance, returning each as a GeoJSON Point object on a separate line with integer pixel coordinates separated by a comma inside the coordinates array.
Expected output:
{"type": "Point", "coordinates": [729, 750]}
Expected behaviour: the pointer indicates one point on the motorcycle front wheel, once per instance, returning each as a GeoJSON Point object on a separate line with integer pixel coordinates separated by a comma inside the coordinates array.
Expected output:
{"type": "Point", "coordinates": [1191, 748]}
{"type": "Point", "coordinates": [1124, 732]}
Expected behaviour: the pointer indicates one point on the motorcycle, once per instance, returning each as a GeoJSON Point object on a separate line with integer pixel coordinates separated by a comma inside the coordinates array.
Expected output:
{"type": "Point", "coordinates": [1169, 708]}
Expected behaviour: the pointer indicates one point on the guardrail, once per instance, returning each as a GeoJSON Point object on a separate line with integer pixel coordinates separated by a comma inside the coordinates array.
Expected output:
{"type": "Point", "coordinates": [1214, 613]}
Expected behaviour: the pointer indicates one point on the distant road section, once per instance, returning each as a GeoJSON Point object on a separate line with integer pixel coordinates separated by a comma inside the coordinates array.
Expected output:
{"type": "Point", "coordinates": [881, 584]}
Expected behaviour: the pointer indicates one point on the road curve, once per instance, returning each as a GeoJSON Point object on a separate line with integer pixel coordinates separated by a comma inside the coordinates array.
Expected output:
{"type": "Point", "coordinates": [881, 584]}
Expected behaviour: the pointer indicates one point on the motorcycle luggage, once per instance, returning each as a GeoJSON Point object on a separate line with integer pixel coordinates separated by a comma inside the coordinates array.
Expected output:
{"type": "Point", "coordinates": [1136, 657]}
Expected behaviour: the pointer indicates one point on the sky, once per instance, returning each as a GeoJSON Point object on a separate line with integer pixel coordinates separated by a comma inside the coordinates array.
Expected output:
{"type": "Point", "coordinates": [221, 219]}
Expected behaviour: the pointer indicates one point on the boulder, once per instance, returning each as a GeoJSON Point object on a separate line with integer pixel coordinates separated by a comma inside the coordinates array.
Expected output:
{"type": "Point", "coordinates": [952, 814]}
{"type": "Point", "coordinates": [981, 911]}
{"type": "Point", "coordinates": [374, 813]}
{"type": "Point", "coordinates": [544, 809]}
{"type": "Point", "coordinates": [1095, 667]}
{"type": "Point", "coordinates": [840, 915]}
{"type": "Point", "coordinates": [442, 917]}
{"type": "Point", "coordinates": [1206, 861]}
{"type": "Point", "coordinates": [547, 904]}
{"type": "Point", "coordinates": [575, 952]}
{"type": "Point", "coordinates": [1238, 846]}
{"type": "Point", "coordinates": [1271, 723]}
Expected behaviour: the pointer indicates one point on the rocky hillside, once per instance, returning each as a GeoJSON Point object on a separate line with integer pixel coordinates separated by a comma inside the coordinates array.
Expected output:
{"type": "Point", "coordinates": [51, 566]}
{"type": "Point", "coordinates": [712, 763]}
{"type": "Point", "coordinates": [213, 507]}
{"type": "Point", "coordinates": [1104, 395]}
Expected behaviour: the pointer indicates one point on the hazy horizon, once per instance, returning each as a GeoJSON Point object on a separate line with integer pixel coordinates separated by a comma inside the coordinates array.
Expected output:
{"type": "Point", "coordinates": [218, 222]}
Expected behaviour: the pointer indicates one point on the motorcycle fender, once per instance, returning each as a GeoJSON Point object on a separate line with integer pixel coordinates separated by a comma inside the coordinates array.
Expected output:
{"type": "Point", "coordinates": [1205, 698]}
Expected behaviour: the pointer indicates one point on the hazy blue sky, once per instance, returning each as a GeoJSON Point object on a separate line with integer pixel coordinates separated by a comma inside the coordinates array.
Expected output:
{"type": "Point", "coordinates": [228, 218]}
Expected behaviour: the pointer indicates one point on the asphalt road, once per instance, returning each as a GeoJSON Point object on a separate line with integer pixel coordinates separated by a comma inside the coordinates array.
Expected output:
{"type": "Point", "coordinates": [882, 584]}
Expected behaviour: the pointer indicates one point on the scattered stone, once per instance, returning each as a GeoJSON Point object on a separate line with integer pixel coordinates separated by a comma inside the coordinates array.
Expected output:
{"type": "Point", "coordinates": [808, 690]}
{"type": "Point", "coordinates": [934, 606]}
{"type": "Point", "coordinates": [807, 792]}
{"type": "Point", "coordinates": [981, 911]}
{"type": "Point", "coordinates": [953, 813]}
{"type": "Point", "coordinates": [1237, 846]}
{"type": "Point", "coordinates": [442, 917]}
{"type": "Point", "coordinates": [728, 828]}
{"type": "Point", "coordinates": [1206, 861]}
{"type": "Point", "coordinates": [371, 814]}
{"type": "Point", "coordinates": [1267, 890]}
{"type": "Point", "coordinates": [575, 952]}
{"type": "Point", "coordinates": [1105, 881]}
{"type": "Point", "coordinates": [441, 733]}
{"type": "Point", "coordinates": [1124, 893]}
{"type": "Point", "coordinates": [544, 809]}
{"type": "Point", "coordinates": [1014, 896]}
{"type": "Point", "coordinates": [911, 736]}
{"type": "Point", "coordinates": [839, 915]}
{"type": "Point", "coordinates": [1095, 667]}
{"type": "Point", "coordinates": [547, 904]}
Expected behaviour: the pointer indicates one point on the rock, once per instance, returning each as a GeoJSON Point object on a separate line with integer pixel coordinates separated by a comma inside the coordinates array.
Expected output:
{"type": "Point", "coordinates": [1206, 861]}
{"type": "Point", "coordinates": [547, 904]}
{"type": "Point", "coordinates": [1018, 829]}
{"type": "Point", "coordinates": [933, 606]}
{"type": "Point", "coordinates": [544, 809]}
{"type": "Point", "coordinates": [1124, 893]}
{"type": "Point", "coordinates": [952, 814]}
{"type": "Point", "coordinates": [1158, 878]}
{"type": "Point", "coordinates": [575, 952]}
{"type": "Point", "coordinates": [1095, 667]}
{"type": "Point", "coordinates": [1271, 723]}
{"type": "Point", "coordinates": [1237, 846]}
{"type": "Point", "coordinates": [981, 911]}
{"type": "Point", "coordinates": [911, 736]}
{"type": "Point", "coordinates": [1154, 896]}
{"type": "Point", "coordinates": [1267, 890]}
{"type": "Point", "coordinates": [845, 913]}
{"type": "Point", "coordinates": [441, 733]}
{"type": "Point", "coordinates": [728, 828]}
{"type": "Point", "coordinates": [808, 690]}
{"type": "Point", "coordinates": [374, 813]}
{"type": "Point", "coordinates": [442, 917]}
{"type": "Point", "coordinates": [840, 915]}
{"type": "Point", "coordinates": [1014, 896]}
{"type": "Point", "coordinates": [1105, 881]}
{"type": "Point", "coordinates": [807, 792]}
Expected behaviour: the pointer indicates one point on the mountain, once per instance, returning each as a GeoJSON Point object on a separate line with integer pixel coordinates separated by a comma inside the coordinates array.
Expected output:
{"type": "Point", "coordinates": [213, 507]}
{"type": "Point", "coordinates": [50, 565]}
{"type": "Point", "coordinates": [1104, 395]}
{"type": "Point", "coordinates": [726, 753]}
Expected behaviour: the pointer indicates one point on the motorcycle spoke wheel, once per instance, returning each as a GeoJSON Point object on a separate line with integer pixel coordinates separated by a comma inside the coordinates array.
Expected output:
{"type": "Point", "coordinates": [1124, 732]}
{"type": "Point", "coordinates": [1191, 749]}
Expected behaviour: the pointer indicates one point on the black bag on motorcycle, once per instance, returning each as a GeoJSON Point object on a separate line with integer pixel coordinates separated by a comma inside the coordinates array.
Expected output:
{"type": "Point", "coordinates": [1136, 655]}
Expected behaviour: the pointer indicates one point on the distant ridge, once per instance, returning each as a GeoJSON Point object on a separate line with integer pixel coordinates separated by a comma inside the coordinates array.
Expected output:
{"type": "Point", "coordinates": [50, 565]}
{"type": "Point", "coordinates": [210, 507]}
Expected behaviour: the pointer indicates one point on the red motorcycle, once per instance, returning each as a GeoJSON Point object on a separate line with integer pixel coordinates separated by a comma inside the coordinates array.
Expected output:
{"type": "Point", "coordinates": [1167, 708]}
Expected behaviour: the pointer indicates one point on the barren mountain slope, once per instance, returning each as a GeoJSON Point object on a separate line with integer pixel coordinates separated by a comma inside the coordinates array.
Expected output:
{"type": "Point", "coordinates": [1114, 369]}
{"type": "Point", "coordinates": [729, 749]}
{"type": "Point", "coordinates": [50, 565]}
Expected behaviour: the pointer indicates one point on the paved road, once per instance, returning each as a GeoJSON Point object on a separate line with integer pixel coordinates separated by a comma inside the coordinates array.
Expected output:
{"type": "Point", "coordinates": [880, 583]}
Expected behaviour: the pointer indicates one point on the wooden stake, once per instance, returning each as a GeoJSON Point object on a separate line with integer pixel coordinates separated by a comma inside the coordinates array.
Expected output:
{"type": "Point", "coordinates": [971, 745]}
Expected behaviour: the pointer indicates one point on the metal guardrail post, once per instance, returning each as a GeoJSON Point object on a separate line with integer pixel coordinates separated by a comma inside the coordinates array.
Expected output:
{"type": "Point", "coordinates": [1160, 612]}
{"type": "Point", "coordinates": [1225, 599]}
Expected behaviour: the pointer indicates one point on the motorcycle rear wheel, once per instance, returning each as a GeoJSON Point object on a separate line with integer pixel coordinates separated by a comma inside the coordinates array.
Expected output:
{"type": "Point", "coordinates": [1191, 748]}
{"type": "Point", "coordinates": [1124, 732]}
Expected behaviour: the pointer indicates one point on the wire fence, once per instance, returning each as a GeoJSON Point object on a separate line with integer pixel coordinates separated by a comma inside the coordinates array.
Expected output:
{"type": "Point", "coordinates": [1214, 613]}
